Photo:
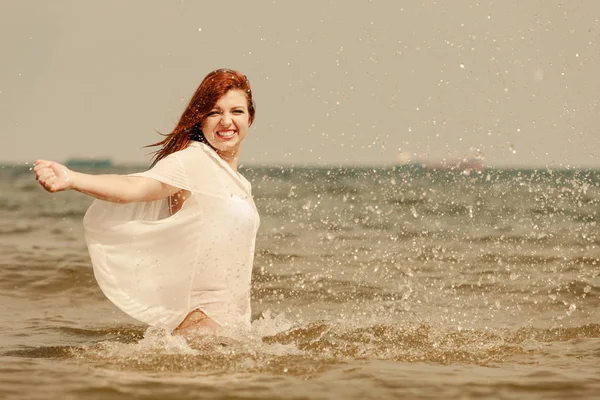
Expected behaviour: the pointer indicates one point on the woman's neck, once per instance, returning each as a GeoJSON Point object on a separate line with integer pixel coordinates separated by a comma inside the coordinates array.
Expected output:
{"type": "Point", "coordinates": [230, 157]}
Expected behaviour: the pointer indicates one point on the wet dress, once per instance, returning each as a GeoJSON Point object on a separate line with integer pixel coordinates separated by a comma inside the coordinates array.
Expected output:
{"type": "Point", "coordinates": [158, 267]}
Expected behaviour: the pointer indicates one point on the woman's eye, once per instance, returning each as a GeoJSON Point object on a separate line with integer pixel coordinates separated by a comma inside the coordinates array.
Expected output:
{"type": "Point", "coordinates": [212, 113]}
{"type": "Point", "coordinates": [238, 111]}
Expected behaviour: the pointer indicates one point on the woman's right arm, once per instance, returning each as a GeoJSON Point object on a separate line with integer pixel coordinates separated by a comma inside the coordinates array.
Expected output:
{"type": "Point", "coordinates": [55, 177]}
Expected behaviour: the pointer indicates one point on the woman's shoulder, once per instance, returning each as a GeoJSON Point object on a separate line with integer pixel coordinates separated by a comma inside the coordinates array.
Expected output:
{"type": "Point", "coordinates": [188, 158]}
{"type": "Point", "coordinates": [196, 155]}
{"type": "Point", "coordinates": [196, 146]}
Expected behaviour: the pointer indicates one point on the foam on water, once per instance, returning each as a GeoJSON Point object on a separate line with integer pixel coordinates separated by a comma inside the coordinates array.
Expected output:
{"type": "Point", "coordinates": [275, 345]}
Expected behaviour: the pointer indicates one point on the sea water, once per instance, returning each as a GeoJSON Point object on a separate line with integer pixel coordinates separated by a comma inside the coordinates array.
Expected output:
{"type": "Point", "coordinates": [378, 283]}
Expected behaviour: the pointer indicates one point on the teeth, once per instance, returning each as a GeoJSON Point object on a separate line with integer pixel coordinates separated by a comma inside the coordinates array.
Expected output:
{"type": "Point", "coordinates": [226, 134]}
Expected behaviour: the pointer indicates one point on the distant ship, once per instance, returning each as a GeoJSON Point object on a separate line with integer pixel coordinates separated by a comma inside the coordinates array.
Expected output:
{"type": "Point", "coordinates": [89, 163]}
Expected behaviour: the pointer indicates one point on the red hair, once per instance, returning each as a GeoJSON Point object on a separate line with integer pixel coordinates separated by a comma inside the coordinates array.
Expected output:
{"type": "Point", "coordinates": [214, 86]}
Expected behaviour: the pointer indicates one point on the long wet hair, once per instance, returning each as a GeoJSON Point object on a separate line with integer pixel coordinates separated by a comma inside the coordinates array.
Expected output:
{"type": "Point", "coordinates": [214, 86]}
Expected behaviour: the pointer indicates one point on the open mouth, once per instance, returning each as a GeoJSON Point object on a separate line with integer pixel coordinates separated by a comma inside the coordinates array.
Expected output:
{"type": "Point", "coordinates": [226, 134]}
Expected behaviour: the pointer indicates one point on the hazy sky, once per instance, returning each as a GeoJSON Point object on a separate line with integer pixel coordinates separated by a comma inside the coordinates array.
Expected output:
{"type": "Point", "coordinates": [335, 82]}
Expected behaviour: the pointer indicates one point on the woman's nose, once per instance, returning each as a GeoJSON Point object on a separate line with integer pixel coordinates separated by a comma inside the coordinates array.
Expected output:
{"type": "Point", "coordinates": [226, 119]}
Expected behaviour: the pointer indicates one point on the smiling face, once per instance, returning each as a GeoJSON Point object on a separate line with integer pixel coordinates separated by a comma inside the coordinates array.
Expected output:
{"type": "Point", "coordinates": [226, 124]}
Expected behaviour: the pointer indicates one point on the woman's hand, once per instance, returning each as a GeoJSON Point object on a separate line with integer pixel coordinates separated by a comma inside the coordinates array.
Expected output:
{"type": "Point", "coordinates": [53, 176]}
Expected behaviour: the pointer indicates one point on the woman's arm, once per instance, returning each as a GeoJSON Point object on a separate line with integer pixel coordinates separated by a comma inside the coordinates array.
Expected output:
{"type": "Point", "coordinates": [55, 177]}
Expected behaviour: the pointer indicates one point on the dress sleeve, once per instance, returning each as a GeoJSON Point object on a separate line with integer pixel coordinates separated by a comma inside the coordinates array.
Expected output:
{"type": "Point", "coordinates": [170, 170]}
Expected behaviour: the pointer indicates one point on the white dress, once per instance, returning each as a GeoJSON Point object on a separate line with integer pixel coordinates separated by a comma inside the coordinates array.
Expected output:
{"type": "Point", "coordinates": [158, 267]}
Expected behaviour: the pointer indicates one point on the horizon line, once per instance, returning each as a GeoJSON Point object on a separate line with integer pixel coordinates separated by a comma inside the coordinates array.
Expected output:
{"type": "Point", "coordinates": [9, 164]}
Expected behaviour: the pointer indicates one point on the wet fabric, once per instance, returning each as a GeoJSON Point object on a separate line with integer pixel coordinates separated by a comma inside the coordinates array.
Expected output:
{"type": "Point", "coordinates": [158, 267]}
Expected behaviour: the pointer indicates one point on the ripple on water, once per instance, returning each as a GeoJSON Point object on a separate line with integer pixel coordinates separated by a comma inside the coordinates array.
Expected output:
{"type": "Point", "coordinates": [44, 277]}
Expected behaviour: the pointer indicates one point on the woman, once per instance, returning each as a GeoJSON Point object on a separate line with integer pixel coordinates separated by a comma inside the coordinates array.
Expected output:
{"type": "Point", "coordinates": [174, 245]}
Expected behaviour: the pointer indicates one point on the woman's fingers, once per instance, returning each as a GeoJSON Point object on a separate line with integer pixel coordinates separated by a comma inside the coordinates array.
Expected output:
{"type": "Point", "coordinates": [47, 177]}
{"type": "Point", "coordinates": [53, 176]}
{"type": "Point", "coordinates": [40, 167]}
{"type": "Point", "coordinates": [46, 182]}
{"type": "Point", "coordinates": [41, 164]}
{"type": "Point", "coordinates": [45, 174]}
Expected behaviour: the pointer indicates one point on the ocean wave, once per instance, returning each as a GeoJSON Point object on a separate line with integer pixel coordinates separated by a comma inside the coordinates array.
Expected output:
{"type": "Point", "coordinates": [38, 280]}
{"type": "Point", "coordinates": [405, 201]}
{"type": "Point", "coordinates": [305, 289]}
{"type": "Point", "coordinates": [575, 289]}
{"type": "Point", "coordinates": [70, 214]}
{"type": "Point", "coordinates": [27, 187]}
{"type": "Point", "coordinates": [585, 260]}
{"type": "Point", "coordinates": [122, 333]}
{"type": "Point", "coordinates": [517, 259]}
{"type": "Point", "coordinates": [308, 349]}
{"type": "Point", "coordinates": [479, 287]}
{"type": "Point", "coordinates": [269, 255]}
{"type": "Point", "coordinates": [503, 237]}
{"type": "Point", "coordinates": [551, 335]}
{"type": "Point", "coordinates": [16, 229]}
{"type": "Point", "coordinates": [10, 205]}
